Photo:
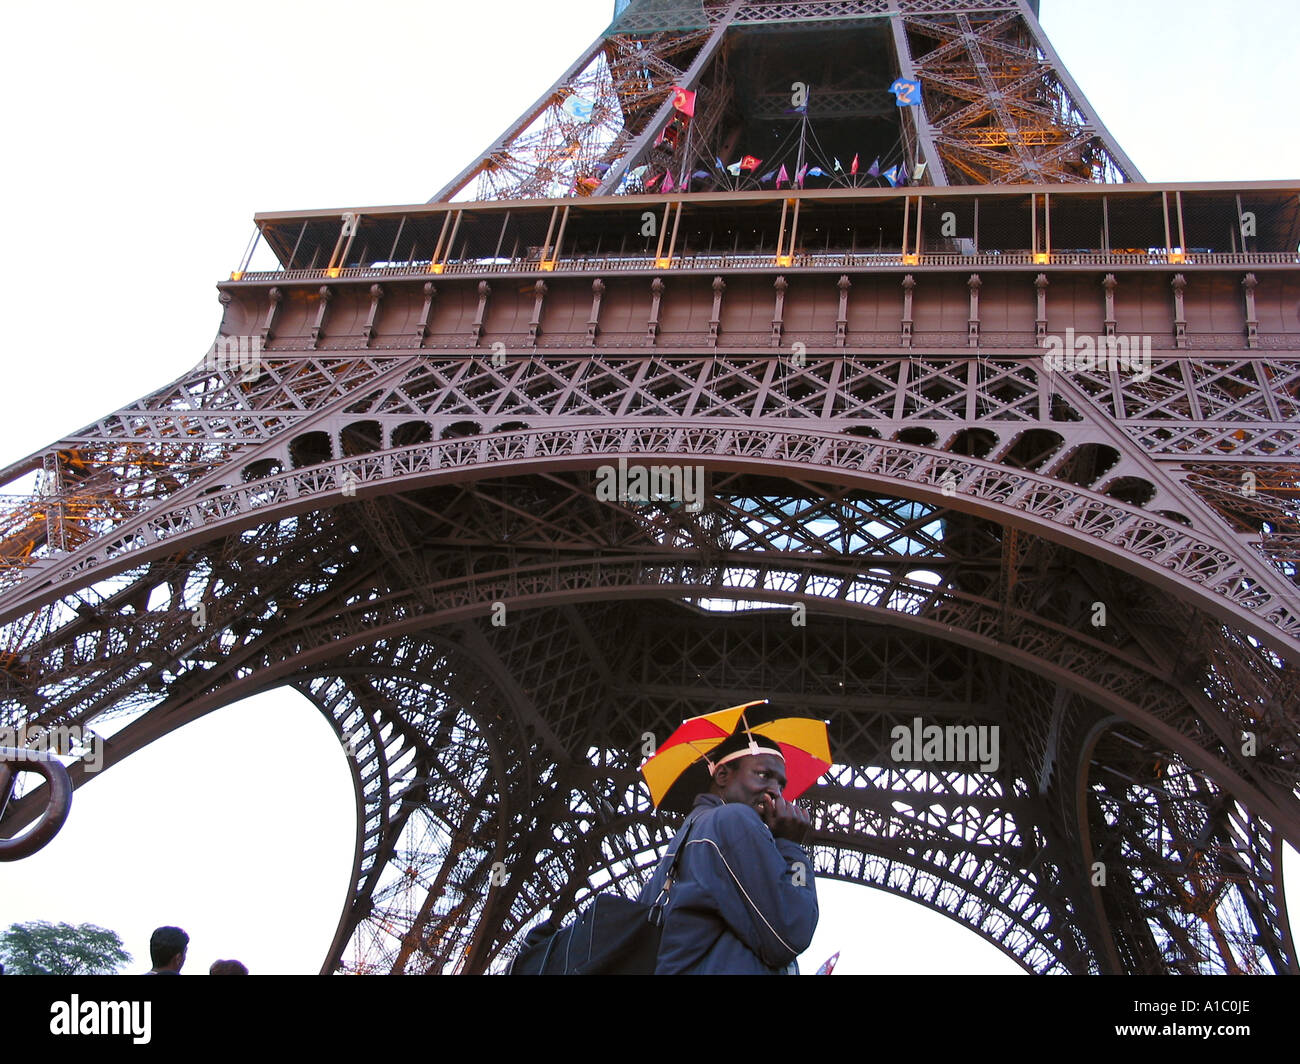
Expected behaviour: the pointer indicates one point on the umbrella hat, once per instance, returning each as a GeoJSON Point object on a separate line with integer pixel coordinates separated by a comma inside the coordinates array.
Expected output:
{"type": "Point", "coordinates": [682, 767]}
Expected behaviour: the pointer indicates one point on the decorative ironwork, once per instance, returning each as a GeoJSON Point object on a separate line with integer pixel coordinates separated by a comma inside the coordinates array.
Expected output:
{"type": "Point", "coordinates": [383, 487]}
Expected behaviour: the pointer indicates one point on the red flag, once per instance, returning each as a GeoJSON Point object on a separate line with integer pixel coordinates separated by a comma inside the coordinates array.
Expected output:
{"type": "Point", "coordinates": [853, 169]}
{"type": "Point", "coordinates": [748, 162]}
{"type": "Point", "coordinates": [684, 101]}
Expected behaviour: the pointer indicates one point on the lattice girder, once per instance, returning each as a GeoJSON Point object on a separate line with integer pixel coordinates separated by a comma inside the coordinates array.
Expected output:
{"type": "Point", "coordinates": [770, 530]}
{"type": "Point", "coordinates": [1023, 117]}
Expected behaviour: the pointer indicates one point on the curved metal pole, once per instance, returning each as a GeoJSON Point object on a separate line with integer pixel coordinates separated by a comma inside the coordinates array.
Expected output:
{"type": "Point", "coordinates": [58, 800]}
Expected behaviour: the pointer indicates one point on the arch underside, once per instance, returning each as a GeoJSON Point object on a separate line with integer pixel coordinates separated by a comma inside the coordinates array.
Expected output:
{"type": "Point", "coordinates": [495, 763]}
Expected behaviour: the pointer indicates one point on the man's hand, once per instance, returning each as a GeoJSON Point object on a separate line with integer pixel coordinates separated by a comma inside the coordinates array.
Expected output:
{"type": "Point", "coordinates": [786, 820]}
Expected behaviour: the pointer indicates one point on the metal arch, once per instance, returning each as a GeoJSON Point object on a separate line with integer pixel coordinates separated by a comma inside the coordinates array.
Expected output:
{"type": "Point", "coordinates": [1240, 590]}
{"type": "Point", "coordinates": [391, 800]}
{"type": "Point", "coordinates": [378, 632]}
{"type": "Point", "coordinates": [1192, 835]}
{"type": "Point", "coordinates": [267, 670]}
{"type": "Point", "coordinates": [657, 589]}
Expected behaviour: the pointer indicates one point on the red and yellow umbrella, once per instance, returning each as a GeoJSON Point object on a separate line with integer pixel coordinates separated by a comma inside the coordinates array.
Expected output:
{"type": "Point", "coordinates": [679, 770]}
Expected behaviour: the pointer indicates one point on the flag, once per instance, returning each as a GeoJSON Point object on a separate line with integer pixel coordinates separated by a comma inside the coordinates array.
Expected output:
{"type": "Point", "coordinates": [700, 175]}
{"type": "Point", "coordinates": [874, 169]}
{"type": "Point", "coordinates": [767, 177]}
{"type": "Point", "coordinates": [601, 168]}
{"type": "Point", "coordinates": [918, 173]}
{"type": "Point", "coordinates": [668, 185]}
{"type": "Point", "coordinates": [734, 169]}
{"type": "Point", "coordinates": [721, 164]}
{"type": "Point", "coordinates": [782, 176]}
{"type": "Point", "coordinates": [748, 162]}
{"type": "Point", "coordinates": [891, 175]}
{"type": "Point", "coordinates": [838, 168]}
{"type": "Point", "coordinates": [816, 171]}
{"type": "Point", "coordinates": [577, 107]}
{"type": "Point", "coordinates": [803, 172]}
{"type": "Point", "coordinates": [651, 182]}
{"type": "Point", "coordinates": [638, 173]}
{"type": "Point", "coordinates": [828, 965]}
{"type": "Point", "coordinates": [853, 166]}
{"type": "Point", "coordinates": [907, 93]}
{"type": "Point", "coordinates": [684, 101]}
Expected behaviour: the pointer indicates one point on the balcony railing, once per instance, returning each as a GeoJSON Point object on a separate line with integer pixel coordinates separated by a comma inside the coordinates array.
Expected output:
{"type": "Point", "coordinates": [607, 264]}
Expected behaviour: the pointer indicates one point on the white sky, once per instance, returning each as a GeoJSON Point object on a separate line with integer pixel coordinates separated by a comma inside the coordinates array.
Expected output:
{"type": "Point", "coordinates": [140, 139]}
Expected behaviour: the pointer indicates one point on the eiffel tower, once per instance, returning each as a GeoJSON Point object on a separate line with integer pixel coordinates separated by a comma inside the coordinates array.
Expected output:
{"type": "Point", "coordinates": [381, 487]}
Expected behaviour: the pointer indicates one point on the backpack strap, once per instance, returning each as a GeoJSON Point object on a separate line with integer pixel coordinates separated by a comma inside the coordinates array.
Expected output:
{"type": "Point", "coordinates": [656, 915]}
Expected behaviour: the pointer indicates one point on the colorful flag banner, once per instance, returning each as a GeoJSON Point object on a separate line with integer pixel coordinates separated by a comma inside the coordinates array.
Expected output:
{"type": "Point", "coordinates": [668, 185]}
{"type": "Point", "coordinates": [783, 177]}
{"type": "Point", "coordinates": [816, 171]}
{"type": "Point", "coordinates": [874, 169]}
{"type": "Point", "coordinates": [577, 107]}
{"type": "Point", "coordinates": [891, 175]}
{"type": "Point", "coordinates": [734, 169]}
{"type": "Point", "coordinates": [907, 93]}
{"type": "Point", "coordinates": [918, 172]}
{"type": "Point", "coordinates": [750, 163]}
{"type": "Point", "coordinates": [853, 166]}
{"type": "Point", "coordinates": [684, 101]}
{"type": "Point", "coordinates": [803, 172]}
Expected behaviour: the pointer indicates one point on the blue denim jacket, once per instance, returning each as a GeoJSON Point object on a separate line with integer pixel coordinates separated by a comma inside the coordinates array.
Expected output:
{"type": "Point", "coordinates": [740, 904]}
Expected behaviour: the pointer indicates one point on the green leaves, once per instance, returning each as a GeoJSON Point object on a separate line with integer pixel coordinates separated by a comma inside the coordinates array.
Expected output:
{"type": "Point", "coordinates": [42, 948]}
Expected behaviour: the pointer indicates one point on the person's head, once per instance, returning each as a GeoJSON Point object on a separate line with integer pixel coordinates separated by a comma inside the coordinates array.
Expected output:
{"type": "Point", "coordinates": [167, 948]}
{"type": "Point", "coordinates": [227, 968]}
{"type": "Point", "coordinates": [748, 778]}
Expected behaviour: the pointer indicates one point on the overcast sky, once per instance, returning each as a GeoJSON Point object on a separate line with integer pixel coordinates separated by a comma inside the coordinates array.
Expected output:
{"type": "Point", "coordinates": [141, 138]}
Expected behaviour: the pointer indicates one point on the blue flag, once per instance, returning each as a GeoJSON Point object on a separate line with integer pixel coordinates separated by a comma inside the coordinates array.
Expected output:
{"type": "Point", "coordinates": [908, 93]}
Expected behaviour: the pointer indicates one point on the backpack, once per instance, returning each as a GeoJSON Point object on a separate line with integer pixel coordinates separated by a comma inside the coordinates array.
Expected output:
{"type": "Point", "coordinates": [613, 935]}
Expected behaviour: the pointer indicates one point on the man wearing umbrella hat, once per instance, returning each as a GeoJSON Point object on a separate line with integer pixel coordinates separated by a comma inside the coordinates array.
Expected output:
{"type": "Point", "coordinates": [743, 900]}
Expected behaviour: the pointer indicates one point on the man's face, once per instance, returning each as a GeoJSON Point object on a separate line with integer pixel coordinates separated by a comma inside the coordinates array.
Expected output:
{"type": "Point", "coordinates": [749, 779]}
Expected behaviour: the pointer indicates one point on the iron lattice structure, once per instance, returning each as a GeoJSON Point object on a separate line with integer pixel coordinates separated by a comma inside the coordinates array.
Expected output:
{"type": "Point", "coordinates": [380, 488]}
{"type": "Point", "coordinates": [998, 106]}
